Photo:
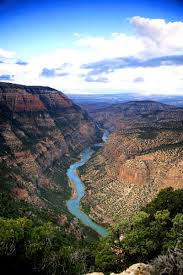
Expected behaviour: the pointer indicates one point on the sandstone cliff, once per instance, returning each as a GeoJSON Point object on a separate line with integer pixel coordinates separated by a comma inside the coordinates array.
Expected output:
{"type": "Point", "coordinates": [38, 127]}
{"type": "Point", "coordinates": [136, 162]}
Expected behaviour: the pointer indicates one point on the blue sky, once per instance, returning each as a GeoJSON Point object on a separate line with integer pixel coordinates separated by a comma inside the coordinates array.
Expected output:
{"type": "Point", "coordinates": [33, 33]}
{"type": "Point", "coordinates": [29, 27]}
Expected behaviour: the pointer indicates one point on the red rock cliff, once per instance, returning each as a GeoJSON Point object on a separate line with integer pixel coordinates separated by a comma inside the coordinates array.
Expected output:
{"type": "Point", "coordinates": [38, 126]}
{"type": "Point", "coordinates": [136, 162]}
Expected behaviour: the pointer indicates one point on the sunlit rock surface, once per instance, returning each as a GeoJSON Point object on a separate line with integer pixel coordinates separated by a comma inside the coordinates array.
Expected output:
{"type": "Point", "coordinates": [38, 127]}
{"type": "Point", "coordinates": [136, 162]}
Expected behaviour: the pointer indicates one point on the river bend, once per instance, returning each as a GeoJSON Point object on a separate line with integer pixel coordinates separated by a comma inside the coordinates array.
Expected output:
{"type": "Point", "coordinates": [73, 204]}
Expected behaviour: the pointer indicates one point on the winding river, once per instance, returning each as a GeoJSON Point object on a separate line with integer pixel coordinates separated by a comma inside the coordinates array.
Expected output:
{"type": "Point", "coordinates": [73, 204]}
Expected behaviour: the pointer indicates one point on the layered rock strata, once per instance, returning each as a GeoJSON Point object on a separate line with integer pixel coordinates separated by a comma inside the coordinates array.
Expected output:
{"type": "Point", "coordinates": [38, 127]}
{"type": "Point", "coordinates": [135, 164]}
{"type": "Point", "coordinates": [135, 114]}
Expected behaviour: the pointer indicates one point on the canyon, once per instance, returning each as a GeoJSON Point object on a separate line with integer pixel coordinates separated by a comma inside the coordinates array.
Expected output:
{"type": "Point", "coordinates": [42, 131]}
{"type": "Point", "coordinates": [49, 145]}
{"type": "Point", "coordinates": [143, 155]}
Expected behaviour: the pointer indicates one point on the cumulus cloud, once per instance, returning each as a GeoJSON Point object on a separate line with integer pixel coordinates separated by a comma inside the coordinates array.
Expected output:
{"type": "Point", "coordinates": [153, 37]}
{"type": "Point", "coordinates": [161, 36]}
{"type": "Point", "coordinates": [149, 60]}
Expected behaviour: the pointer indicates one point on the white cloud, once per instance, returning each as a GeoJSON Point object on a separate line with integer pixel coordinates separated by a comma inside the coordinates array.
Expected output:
{"type": "Point", "coordinates": [118, 45]}
{"type": "Point", "coordinates": [6, 54]}
{"type": "Point", "coordinates": [165, 80]}
{"type": "Point", "coordinates": [152, 38]}
{"type": "Point", "coordinates": [160, 37]}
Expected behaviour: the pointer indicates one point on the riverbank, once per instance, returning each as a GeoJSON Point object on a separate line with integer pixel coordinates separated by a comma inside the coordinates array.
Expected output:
{"type": "Point", "coordinates": [78, 193]}
{"type": "Point", "coordinates": [73, 190]}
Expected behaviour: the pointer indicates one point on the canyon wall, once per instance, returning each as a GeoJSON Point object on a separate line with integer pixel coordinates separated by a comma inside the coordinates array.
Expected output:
{"type": "Point", "coordinates": [138, 114]}
{"type": "Point", "coordinates": [38, 127]}
{"type": "Point", "coordinates": [136, 162]}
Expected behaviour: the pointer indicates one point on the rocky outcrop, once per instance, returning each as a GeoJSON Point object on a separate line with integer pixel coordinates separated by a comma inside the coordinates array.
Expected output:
{"type": "Point", "coordinates": [134, 165]}
{"type": "Point", "coordinates": [38, 127]}
{"type": "Point", "coordinates": [136, 269]}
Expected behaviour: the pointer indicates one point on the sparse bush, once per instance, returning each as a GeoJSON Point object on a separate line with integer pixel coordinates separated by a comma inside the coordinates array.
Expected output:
{"type": "Point", "coordinates": [170, 264]}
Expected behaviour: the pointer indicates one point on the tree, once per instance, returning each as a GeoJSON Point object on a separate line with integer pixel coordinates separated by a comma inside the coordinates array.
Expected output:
{"type": "Point", "coordinates": [13, 231]}
{"type": "Point", "coordinates": [175, 236]}
{"type": "Point", "coordinates": [106, 259]}
{"type": "Point", "coordinates": [169, 199]}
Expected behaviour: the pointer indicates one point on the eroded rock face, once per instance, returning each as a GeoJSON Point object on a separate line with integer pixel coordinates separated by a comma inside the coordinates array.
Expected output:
{"type": "Point", "coordinates": [135, 114]}
{"type": "Point", "coordinates": [38, 126]}
{"type": "Point", "coordinates": [134, 165]}
{"type": "Point", "coordinates": [136, 269]}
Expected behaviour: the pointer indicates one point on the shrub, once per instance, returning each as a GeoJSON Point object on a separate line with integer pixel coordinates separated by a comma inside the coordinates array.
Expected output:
{"type": "Point", "coordinates": [169, 264]}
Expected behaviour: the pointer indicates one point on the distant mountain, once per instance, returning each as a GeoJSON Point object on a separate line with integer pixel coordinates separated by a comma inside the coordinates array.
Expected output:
{"type": "Point", "coordinates": [135, 114]}
{"type": "Point", "coordinates": [96, 101]}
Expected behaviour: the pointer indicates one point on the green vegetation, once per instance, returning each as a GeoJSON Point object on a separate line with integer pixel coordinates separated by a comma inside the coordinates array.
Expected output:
{"type": "Point", "coordinates": [164, 147]}
{"type": "Point", "coordinates": [86, 208]}
{"type": "Point", "coordinates": [169, 199]}
{"type": "Point", "coordinates": [148, 134]}
{"type": "Point", "coordinates": [154, 234]}
{"type": "Point", "coordinates": [154, 231]}
{"type": "Point", "coordinates": [10, 207]}
{"type": "Point", "coordinates": [26, 248]}
{"type": "Point", "coordinates": [56, 198]}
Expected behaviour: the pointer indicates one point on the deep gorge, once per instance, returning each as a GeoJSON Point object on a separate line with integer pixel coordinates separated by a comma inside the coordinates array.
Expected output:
{"type": "Point", "coordinates": [42, 134]}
